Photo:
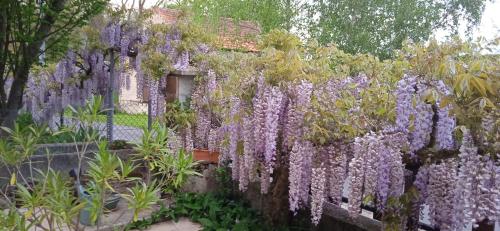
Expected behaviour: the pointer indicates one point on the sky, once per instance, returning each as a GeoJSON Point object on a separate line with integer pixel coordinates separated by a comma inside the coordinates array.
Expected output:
{"type": "Point", "coordinates": [489, 27]}
{"type": "Point", "coordinates": [490, 23]}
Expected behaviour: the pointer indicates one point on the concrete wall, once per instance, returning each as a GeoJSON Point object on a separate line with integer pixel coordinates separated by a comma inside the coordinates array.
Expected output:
{"type": "Point", "coordinates": [62, 158]}
{"type": "Point", "coordinates": [206, 183]}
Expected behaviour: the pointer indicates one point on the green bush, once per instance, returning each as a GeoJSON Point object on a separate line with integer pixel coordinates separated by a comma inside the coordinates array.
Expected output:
{"type": "Point", "coordinates": [170, 168]}
{"type": "Point", "coordinates": [212, 212]}
{"type": "Point", "coordinates": [44, 198]}
{"type": "Point", "coordinates": [25, 120]}
{"type": "Point", "coordinates": [178, 115]}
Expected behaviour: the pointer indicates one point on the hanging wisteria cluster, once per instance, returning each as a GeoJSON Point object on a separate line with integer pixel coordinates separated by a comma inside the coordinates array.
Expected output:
{"type": "Point", "coordinates": [376, 170]}
{"type": "Point", "coordinates": [274, 127]}
{"type": "Point", "coordinates": [77, 76]}
{"type": "Point", "coordinates": [277, 125]}
{"type": "Point", "coordinates": [460, 191]}
{"type": "Point", "coordinates": [451, 188]}
{"type": "Point", "coordinates": [414, 115]}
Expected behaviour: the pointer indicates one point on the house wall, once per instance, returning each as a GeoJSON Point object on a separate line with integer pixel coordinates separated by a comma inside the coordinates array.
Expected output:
{"type": "Point", "coordinates": [177, 87]}
{"type": "Point", "coordinates": [128, 97]}
{"type": "Point", "coordinates": [131, 92]}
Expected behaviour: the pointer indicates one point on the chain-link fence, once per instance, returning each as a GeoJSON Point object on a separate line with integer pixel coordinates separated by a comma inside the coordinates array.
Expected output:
{"type": "Point", "coordinates": [129, 120]}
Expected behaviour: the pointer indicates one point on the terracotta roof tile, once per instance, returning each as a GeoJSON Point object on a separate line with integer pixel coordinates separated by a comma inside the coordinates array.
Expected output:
{"type": "Point", "coordinates": [165, 16]}
{"type": "Point", "coordinates": [239, 37]}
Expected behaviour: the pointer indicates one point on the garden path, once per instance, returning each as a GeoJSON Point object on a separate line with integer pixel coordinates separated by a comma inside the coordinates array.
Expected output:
{"type": "Point", "coordinates": [184, 224]}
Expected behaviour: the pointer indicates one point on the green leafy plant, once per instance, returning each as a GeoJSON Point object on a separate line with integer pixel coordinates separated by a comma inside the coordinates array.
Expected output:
{"type": "Point", "coordinates": [25, 120]}
{"type": "Point", "coordinates": [104, 169]}
{"type": "Point", "coordinates": [174, 170]}
{"type": "Point", "coordinates": [12, 219]}
{"type": "Point", "coordinates": [142, 197]}
{"type": "Point", "coordinates": [46, 198]}
{"type": "Point", "coordinates": [153, 144]}
{"type": "Point", "coordinates": [170, 169]}
{"type": "Point", "coordinates": [212, 212]}
{"type": "Point", "coordinates": [178, 115]}
{"type": "Point", "coordinates": [53, 196]}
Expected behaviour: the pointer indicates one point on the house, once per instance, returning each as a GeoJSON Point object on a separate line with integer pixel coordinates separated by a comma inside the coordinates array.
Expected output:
{"type": "Point", "coordinates": [232, 35]}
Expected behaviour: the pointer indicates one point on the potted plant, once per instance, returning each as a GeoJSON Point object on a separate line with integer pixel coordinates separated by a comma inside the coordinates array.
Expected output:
{"type": "Point", "coordinates": [104, 172]}
{"type": "Point", "coordinates": [180, 118]}
{"type": "Point", "coordinates": [205, 155]}
{"type": "Point", "coordinates": [100, 195]}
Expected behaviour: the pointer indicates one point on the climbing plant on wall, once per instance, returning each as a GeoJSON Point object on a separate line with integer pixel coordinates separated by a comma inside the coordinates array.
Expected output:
{"type": "Point", "coordinates": [328, 117]}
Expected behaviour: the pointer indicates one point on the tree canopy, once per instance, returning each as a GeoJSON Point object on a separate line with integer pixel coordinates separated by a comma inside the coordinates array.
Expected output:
{"type": "Point", "coordinates": [378, 27]}
{"type": "Point", "coordinates": [28, 29]}
{"type": "Point", "coordinates": [270, 14]}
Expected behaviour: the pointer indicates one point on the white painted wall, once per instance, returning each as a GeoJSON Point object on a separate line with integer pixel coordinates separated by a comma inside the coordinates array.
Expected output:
{"type": "Point", "coordinates": [128, 97]}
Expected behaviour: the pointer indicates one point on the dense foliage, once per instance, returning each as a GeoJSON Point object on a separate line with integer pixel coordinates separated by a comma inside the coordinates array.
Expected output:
{"type": "Point", "coordinates": [380, 27]}
{"type": "Point", "coordinates": [213, 213]}
{"type": "Point", "coordinates": [376, 27]}
{"type": "Point", "coordinates": [33, 30]}
{"type": "Point", "coordinates": [328, 116]}
{"type": "Point", "coordinates": [164, 159]}
{"type": "Point", "coordinates": [270, 14]}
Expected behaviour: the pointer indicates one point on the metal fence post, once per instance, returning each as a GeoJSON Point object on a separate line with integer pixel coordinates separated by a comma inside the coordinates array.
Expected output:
{"type": "Point", "coordinates": [150, 117]}
{"type": "Point", "coordinates": [61, 116]}
{"type": "Point", "coordinates": [109, 123]}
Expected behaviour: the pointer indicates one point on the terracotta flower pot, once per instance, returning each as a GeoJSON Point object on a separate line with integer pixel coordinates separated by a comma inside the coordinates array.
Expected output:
{"type": "Point", "coordinates": [206, 156]}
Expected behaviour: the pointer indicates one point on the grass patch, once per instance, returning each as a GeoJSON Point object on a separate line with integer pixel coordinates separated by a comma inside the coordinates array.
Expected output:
{"type": "Point", "coordinates": [125, 119]}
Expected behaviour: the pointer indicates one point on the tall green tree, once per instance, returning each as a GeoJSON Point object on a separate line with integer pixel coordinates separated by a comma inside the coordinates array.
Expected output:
{"type": "Point", "coordinates": [380, 26]}
{"type": "Point", "coordinates": [269, 14]}
{"type": "Point", "coordinates": [29, 29]}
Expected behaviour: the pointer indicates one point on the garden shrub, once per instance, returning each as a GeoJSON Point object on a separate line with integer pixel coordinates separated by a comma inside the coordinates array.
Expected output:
{"type": "Point", "coordinates": [212, 212]}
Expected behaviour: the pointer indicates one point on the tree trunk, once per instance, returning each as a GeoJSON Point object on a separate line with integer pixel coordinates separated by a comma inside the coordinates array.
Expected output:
{"type": "Point", "coordinates": [485, 225]}
{"type": "Point", "coordinates": [15, 100]}
{"type": "Point", "coordinates": [275, 208]}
